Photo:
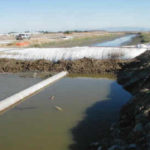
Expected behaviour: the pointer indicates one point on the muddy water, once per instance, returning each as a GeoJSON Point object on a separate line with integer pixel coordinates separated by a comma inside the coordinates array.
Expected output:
{"type": "Point", "coordinates": [117, 42]}
{"type": "Point", "coordinates": [87, 106]}
{"type": "Point", "coordinates": [10, 84]}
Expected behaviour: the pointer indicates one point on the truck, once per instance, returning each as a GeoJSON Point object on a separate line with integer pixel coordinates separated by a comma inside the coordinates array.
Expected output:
{"type": "Point", "coordinates": [23, 36]}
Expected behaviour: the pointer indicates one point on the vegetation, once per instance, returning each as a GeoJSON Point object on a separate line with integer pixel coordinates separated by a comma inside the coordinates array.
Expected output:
{"type": "Point", "coordinates": [145, 37]}
{"type": "Point", "coordinates": [78, 41]}
{"type": "Point", "coordinates": [67, 32]}
{"type": "Point", "coordinates": [141, 38]}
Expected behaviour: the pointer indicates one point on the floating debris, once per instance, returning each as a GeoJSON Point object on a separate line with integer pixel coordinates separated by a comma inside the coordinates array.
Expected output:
{"type": "Point", "coordinates": [52, 97]}
{"type": "Point", "coordinates": [58, 108]}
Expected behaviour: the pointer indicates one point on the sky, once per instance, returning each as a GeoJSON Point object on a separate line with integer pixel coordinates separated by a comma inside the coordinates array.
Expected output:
{"type": "Point", "coordinates": [61, 15]}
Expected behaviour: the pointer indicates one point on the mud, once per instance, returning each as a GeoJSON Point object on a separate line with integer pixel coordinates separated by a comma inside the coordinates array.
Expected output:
{"type": "Point", "coordinates": [82, 66]}
{"type": "Point", "coordinates": [132, 131]}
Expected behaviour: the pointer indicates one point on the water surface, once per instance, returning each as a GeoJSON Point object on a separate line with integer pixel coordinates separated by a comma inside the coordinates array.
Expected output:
{"type": "Point", "coordinates": [11, 84]}
{"type": "Point", "coordinates": [88, 105]}
{"type": "Point", "coordinates": [117, 42]}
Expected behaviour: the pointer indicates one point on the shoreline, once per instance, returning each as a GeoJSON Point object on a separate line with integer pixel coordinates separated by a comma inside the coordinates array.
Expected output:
{"type": "Point", "coordinates": [74, 39]}
{"type": "Point", "coordinates": [132, 130]}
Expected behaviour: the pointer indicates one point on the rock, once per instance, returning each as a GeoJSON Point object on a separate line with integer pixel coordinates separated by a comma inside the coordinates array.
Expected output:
{"type": "Point", "coordinates": [145, 90]}
{"type": "Point", "coordinates": [94, 144]}
{"type": "Point", "coordinates": [113, 126]}
{"type": "Point", "coordinates": [118, 142]}
{"type": "Point", "coordinates": [99, 148]}
{"type": "Point", "coordinates": [123, 117]}
{"type": "Point", "coordinates": [148, 140]}
{"type": "Point", "coordinates": [140, 118]}
{"type": "Point", "coordinates": [124, 123]}
{"type": "Point", "coordinates": [147, 127]}
{"type": "Point", "coordinates": [138, 128]}
{"type": "Point", "coordinates": [132, 147]}
{"type": "Point", "coordinates": [141, 67]}
{"type": "Point", "coordinates": [142, 140]}
{"type": "Point", "coordinates": [115, 133]}
{"type": "Point", "coordinates": [147, 112]}
{"type": "Point", "coordinates": [141, 108]}
{"type": "Point", "coordinates": [114, 147]}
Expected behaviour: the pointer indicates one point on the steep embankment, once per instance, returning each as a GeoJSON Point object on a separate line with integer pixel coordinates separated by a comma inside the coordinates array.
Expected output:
{"type": "Point", "coordinates": [132, 132]}
{"type": "Point", "coordinates": [135, 117]}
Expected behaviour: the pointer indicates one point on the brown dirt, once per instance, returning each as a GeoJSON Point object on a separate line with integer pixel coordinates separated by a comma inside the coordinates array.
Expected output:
{"type": "Point", "coordinates": [135, 77]}
{"type": "Point", "coordinates": [133, 126]}
{"type": "Point", "coordinates": [82, 66]}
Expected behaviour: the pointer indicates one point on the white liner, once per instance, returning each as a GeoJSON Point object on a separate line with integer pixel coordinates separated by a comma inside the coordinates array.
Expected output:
{"type": "Point", "coordinates": [56, 54]}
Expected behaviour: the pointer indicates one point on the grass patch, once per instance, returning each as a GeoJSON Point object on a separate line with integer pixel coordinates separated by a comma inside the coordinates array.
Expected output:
{"type": "Point", "coordinates": [82, 41]}
{"type": "Point", "coordinates": [145, 37]}
{"type": "Point", "coordinates": [142, 38]}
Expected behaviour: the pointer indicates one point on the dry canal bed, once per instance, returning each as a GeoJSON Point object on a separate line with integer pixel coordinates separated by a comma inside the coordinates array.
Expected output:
{"type": "Point", "coordinates": [81, 110]}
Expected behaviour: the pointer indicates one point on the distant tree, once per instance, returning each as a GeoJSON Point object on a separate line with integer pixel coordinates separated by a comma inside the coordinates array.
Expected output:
{"type": "Point", "coordinates": [67, 32]}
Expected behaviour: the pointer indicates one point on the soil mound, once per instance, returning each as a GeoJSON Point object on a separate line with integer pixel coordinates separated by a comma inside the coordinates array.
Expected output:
{"type": "Point", "coordinates": [84, 65]}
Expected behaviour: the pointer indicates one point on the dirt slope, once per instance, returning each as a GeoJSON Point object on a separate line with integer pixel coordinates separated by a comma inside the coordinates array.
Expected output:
{"type": "Point", "coordinates": [132, 132]}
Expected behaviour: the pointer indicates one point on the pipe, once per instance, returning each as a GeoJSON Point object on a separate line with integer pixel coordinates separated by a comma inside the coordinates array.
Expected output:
{"type": "Point", "coordinates": [6, 103]}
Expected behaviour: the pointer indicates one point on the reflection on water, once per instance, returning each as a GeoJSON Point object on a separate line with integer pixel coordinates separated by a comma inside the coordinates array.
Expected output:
{"type": "Point", "coordinates": [35, 124]}
{"type": "Point", "coordinates": [116, 42]}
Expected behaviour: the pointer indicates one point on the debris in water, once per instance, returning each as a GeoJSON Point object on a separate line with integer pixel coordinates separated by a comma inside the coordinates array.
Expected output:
{"type": "Point", "coordinates": [58, 108]}
{"type": "Point", "coordinates": [52, 97]}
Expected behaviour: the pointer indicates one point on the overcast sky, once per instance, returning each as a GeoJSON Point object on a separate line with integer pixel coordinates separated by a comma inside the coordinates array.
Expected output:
{"type": "Point", "coordinates": [56, 15]}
